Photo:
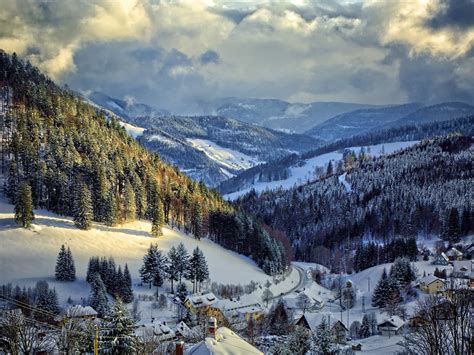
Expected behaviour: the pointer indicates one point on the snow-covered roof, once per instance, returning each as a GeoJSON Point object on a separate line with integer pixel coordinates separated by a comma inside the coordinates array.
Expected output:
{"type": "Point", "coordinates": [159, 328]}
{"type": "Point", "coordinates": [443, 255]}
{"type": "Point", "coordinates": [77, 311]}
{"type": "Point", "coordinates": [183, 329]}
{"type": "Point", "coordinates": [226, 342]}
{"type": "Point", "coordinates": [429, 279]}
{"type": "Point", "coordinates": [454, 252]}
{"type": "Point", "coordinates": [462, 266]}
{"type": "Point", "coordinates": [394, 321]}
{"type": "Point", "coordinates": [207, 299]}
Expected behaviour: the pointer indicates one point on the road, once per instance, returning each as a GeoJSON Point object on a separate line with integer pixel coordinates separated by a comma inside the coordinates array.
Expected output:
{"type": "Point", "coordinates": [301, 283]}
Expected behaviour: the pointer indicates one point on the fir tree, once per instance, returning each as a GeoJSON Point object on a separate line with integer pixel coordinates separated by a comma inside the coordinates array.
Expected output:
{"type": "Point", "coordinates": [46, 300]}
{"type": "Point", "coordinates": [278, 320]}
{"type": "Point", "coordinates": [158, 219]}
{"type": "Point", "coordinates": [380, 292]}
{"type": "Point", "coordinates": [98, 297]}
{"type": "Point", "coordinates": [118, 336]}
{"type": "Point", "coordinates": [172, 270]}
{"type": "Point", "coordinates": [111, 210]}
{"type": "Point", "coordinates": [181, 261]}
{"type": "Point", "coordinates": [65, 270]}
{"type": "Point", "coordinates": [12, 183]}
{"type": "Point", "coordinates": [452, 231]}
{"type": "Point", "coordinates": [181, 291]}
{"type": "Point", "coordinates": [130, 204]}
{"type": "Point", "coordinates": [196, 221]}
{"type": "Point", "coordinates": [322, 339]}
{"type": "Point", "coordinates": [84, 213]}
{"type": "Point", "coordinates": [197, 269]}
{"type": "Point", "coordinates": [127, 291]}
{"type": "Point", "coordinates": [364, 331]}
{"type": "Point", "coordinates": [24, 206]}
{"type": "Point", "coordinates": [150, 264]}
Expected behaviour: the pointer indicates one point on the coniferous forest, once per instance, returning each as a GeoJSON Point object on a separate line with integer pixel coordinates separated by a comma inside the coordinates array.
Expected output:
{"type": "Point", "coordinates": [423, 190]}
{"type": "Point", "coordinates": [81, 163]}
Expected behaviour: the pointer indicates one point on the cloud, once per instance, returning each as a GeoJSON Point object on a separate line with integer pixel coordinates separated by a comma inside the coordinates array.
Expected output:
{"type": "Point", "coordinates": [181, 55]}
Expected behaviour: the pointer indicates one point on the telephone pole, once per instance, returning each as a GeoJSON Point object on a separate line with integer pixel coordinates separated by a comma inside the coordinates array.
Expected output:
{"type": "Point", "coordinates": [96, 341]}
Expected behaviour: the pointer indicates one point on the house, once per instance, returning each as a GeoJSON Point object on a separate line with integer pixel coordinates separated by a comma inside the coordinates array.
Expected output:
{"type": "Point", "coordinates": [237, 311]}
{"type": "Point", "coordinates": [292, 303]}
{"type": "Point", "coordinates": [431, 284]}
{"type": "Point", "coordinates": [193, 303]}
{"type": "Point", "coordinates": [462, 269]}
{"type": "Point", "coordinates": [76, 312]}
{"type": "Point", "coordinates": [182, 331]}
{"type": "Point", "coordinates": [454, 254]}
{"type": "Point", "coordinates": [222, 341]}
{"type": "Point", "coordinates": [391, 326]}
{"type": "Point", "coordinates": [311, 321]}
{"type": "Point", "coordinates": [441, 259]}
{"type": "Point", "coordinates": [157, 328]}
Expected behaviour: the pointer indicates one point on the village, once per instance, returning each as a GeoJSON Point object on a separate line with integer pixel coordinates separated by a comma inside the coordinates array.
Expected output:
{"type": "Point", "coordinates": [204, 323]}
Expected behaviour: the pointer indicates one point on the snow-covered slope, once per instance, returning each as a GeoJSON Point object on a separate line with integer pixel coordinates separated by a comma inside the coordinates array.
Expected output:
{"type": "Point", "coordinates": [232, 159]}
{"type": "Point", "coordinates": [303, 173]}
{"type": "Point", "coordinates": [28, 255]}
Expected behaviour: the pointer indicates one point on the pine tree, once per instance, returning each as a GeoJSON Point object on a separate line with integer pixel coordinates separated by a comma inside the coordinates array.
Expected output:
{"type": "Point", "coordinates": [181, 261]}
{"type": "Point", "coordinates": [24, 206]}
{"type": "Point", "coordinates": [118, 336]}
{"type": "Point", "coordinates": [127, 290]}
{"type": "Point", "coordinates": [150, 264]}
{"type": "Point", "coordinates": [181, 291]}
{"type": "Point", "coordinates": [158, 219]}
{"type": "Point", "coordinates": [46, 300]}
{"type": "Point", "coordinates": [197, 269]}
{"type": "Point", "coordinates": [98, 297]}
{"type": "Point", "coordinates": [65, 270]}
{"type": "Point", "coordinates": [452, 232]}
{"type": "Point", "coordinates": [111, 210]}
{"type": "Point", "coordinates": [93, 268]}
{"type": "Point", "coordinates": [172, 269]}
{"type": "Point", "coordinates": [196, 221]}
{"type": "Point", "coordinates": [278, 321]}
{"type": "Point", "coordinates": [70, 267]}
{"type": "Point", "coordinates": [84, 213]}
{"type": "Point", "coordinates": [381, 291]}
{"type": "Point", "coordinates": [12, 183]}
{"type": "Point", "coordinates": [402, 271]}
{"type": "Point", "coordinates": [364, 331]}
{"type": "Point", "coordinates": [130, 203]}
{"type": "Point", "coordinates": [322, 339]}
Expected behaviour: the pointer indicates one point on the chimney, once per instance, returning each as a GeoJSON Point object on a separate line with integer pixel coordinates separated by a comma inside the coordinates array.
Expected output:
{"type": "Point", "coordinates": [179, 347]}
{"type": "Point", "coordinates": [212, 327]}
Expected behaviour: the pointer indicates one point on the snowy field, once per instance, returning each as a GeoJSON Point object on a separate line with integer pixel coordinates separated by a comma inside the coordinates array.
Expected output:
{"type": "Point", "coordinates": [299, 175]}
{"type": "Point", "coordinates": [133, 131]}
{"type": "Point", "coordinates": [228, 158]}
{"type": "Point", "coordinates": [29, 255]}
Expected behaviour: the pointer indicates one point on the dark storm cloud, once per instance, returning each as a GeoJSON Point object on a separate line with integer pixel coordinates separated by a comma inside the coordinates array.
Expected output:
{"type": "Point", "coordinates": [454, 13]}
{"type": "Point", "coordinates": [209, 56]}
{"type": "Point", "coordinates": [180, 55]}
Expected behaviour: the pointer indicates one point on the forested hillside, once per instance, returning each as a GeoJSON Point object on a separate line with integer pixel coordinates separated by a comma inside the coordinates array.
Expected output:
{"type": "Point", "coordinates": [426, 189]}
{"type": "Point", "coordinates": [77, 162]}
{"type": "Point", "coordinates": [225, 146]}
{"type": "Point", "coordinates": [280, 169]}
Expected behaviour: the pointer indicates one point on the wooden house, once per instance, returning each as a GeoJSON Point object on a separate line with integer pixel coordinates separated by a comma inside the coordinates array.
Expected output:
{"type": "Point", "coordinates": [391, 326]}
{"type": "Point", "coordinates": [431, 284]}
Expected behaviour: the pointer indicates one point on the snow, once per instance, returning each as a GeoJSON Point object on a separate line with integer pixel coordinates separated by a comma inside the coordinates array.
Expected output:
{"type": "Point", "coordinates": [342, 180]}
{"type": "Point", "coordinates": [29, 255]}
{"type": "Point", "coordinates": [133, 131]}
{"type": "Point", "coordinates": [228, 158]}
{"type": "Point", "coordinates": [162, 139]}
{"type": "Point", "coordinates": [299, 175]}
{"type": "Point", "coordinates": [225, 342]}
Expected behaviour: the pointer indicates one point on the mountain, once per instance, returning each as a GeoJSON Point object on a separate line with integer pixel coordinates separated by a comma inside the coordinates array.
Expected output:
{"type": "Point", "coordinates": [282, 115]}
{"type": "Point", "coordinates": [62, 154]}
{"type": "Point", "coordinates": [361, 121]}
{"type": "Point", "coordinates": [213, 149]}
{"type": "Point", "coordinates": [128, 110]}
{"type": "Point", "coordinates": [425, 189]}
{"type": "Point", "coordinates": [369, 120]}
{"type": "Point", "coordinates": [297, 169]}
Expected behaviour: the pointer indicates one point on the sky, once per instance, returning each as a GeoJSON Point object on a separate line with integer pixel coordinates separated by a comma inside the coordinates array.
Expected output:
{"type": "Point", "coordinates": [182, 55]}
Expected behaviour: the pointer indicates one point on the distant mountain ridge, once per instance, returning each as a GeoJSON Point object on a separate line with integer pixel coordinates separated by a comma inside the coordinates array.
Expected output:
{"type": "Point", "coordinates": [282, 115]}
{"type": "Point", "coordinates": [208, 148]}
{"type": "Point", "coordinates": [368, 120]}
